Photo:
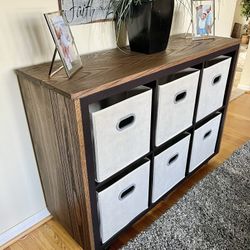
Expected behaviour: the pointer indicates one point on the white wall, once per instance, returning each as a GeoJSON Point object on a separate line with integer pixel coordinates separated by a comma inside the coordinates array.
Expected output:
{"type": "Point", "coordinates": [224, 17]}
{"type": "Point", "coordinates": [21, 44]}
{"type": "Point", "coordinates": [245, 76]}
{"type": "Point", "coordinates": [238, 18]}
{"type": "Point", "coordinates": [25, 40]}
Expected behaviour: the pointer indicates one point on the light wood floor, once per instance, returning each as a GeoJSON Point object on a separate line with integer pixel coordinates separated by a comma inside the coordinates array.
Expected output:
{"type": "Point", "coordinates": [237, 131]}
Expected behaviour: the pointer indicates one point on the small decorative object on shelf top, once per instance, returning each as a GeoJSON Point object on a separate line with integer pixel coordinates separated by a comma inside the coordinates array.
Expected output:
{"type": "Point", "coordinates": [203, 19]}
{"type": "Point", "coordinates": [64, 42]}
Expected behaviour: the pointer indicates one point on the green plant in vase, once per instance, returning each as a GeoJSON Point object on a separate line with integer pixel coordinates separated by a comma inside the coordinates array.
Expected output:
{"type": "Point", "coordinates": [123, 8]}
{"type": "Point", "coordinates": [148, 23]}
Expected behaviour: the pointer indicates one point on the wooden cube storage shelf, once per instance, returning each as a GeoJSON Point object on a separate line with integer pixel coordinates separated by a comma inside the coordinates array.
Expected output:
{"type": "Point", "coordinates": [59, 119]}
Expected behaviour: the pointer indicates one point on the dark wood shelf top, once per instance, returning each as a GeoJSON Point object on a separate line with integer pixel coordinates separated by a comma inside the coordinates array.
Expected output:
{"type": "Point", "coordinates": [110, 68]}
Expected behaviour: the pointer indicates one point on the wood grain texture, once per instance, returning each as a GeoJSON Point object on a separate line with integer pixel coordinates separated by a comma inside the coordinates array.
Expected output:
{"type": "Point", "coordinates": [54, 127]}
{"type": "Point", "coordinates": [52, 236]}
{"type": "Point", "coordinates": [49, 236]}
{"type": "Point", "coordinates": [26, 232]}
{"type": "Point", "coordinates": [86, 190]}
{"type": "Point", "coordinates": [107, 69]}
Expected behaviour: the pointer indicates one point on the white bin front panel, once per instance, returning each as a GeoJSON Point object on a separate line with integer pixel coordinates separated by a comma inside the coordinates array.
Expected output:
{"type": "Point", "coordinates": [204, 147]}
{"type": "Point", "coordinates": [174, 117]}
{"type": "Point", "coordinates": [166, 175]}
{"type": "Point", "coordinates": [114, 148]}
{"type": "Point", "coordinates": [212, 95]}
{"type": "Point", "coordinates": [114, 212]}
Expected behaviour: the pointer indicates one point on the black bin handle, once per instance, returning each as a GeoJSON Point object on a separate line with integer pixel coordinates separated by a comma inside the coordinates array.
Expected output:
{"type": "Point", "coordinates": [126, 192]}
{"type": "Point", "coordinates": [180, 96]}
{"type": "Point", "coordinates": [173, 159]}
{"type": "Point", "coordinates": [125, 122]}
{"type": "Point", "coordinates": [207, 134]}
{"type": "Point", "coordinates": [216, 79]}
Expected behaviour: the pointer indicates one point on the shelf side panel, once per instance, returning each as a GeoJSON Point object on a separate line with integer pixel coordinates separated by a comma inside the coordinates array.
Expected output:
{"type": "Point", "coordinates": [56, 136]}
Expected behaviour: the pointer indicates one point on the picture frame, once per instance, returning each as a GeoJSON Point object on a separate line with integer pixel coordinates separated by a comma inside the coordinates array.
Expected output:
{"type": "Point", "coordinates": [203, 19]}
{"type": "Point", "coordinates": [64, 42]}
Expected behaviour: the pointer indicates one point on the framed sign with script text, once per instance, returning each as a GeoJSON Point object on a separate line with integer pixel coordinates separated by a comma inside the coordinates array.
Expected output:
{"type": "Point", "coordinates": [86, 11]}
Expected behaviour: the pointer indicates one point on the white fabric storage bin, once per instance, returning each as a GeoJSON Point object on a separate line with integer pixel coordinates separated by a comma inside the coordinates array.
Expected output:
{"type": "Point", "coordinates": [123, 201]}
{"type": "Point", "coordinates": [176, 104]}
{"type": "Point", "coordinates": [213, 86]}
{"type": "Point", "coordinates": [121, 130]}
{"type": "Point", "coordinates": [170, 168]}
{"type": "Point", "coordinates": [204, 142]}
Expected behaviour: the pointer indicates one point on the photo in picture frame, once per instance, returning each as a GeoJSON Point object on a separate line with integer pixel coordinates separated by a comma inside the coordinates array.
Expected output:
{"type": "Point", "coordinates": [64, 42]}
{"type": "Point", "coordinates": [203, 19]}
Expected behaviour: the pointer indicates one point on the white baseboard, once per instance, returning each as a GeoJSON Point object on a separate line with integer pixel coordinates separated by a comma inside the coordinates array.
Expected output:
{"type": "Point", "coordinates": [23, 226]}
{"type": "Point", "coordinates": [244, 87]}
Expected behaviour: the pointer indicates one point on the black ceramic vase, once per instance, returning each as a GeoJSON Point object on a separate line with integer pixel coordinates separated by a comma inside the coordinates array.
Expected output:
{"type": "Point", "coordinates": [149, 25]}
